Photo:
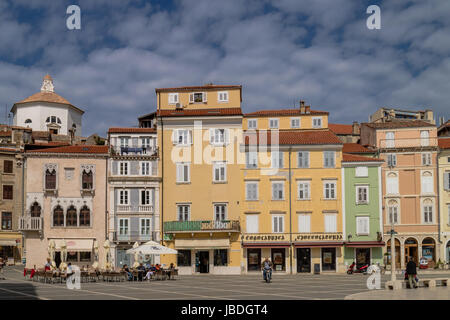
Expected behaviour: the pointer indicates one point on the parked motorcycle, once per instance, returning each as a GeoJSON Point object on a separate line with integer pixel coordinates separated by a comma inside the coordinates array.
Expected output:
{"type": "Point", "coordinates": [353, 269]}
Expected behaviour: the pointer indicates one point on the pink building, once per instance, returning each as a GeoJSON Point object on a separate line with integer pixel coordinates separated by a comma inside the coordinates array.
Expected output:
{"type": "Point", "coordinates": [65, 200]}
{"type": "Point", "coordinates": [410, 191]}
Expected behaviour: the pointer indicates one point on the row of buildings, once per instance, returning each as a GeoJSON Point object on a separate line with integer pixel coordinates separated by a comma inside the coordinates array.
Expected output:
{"type": "Point", "coordinates": [223, 187]}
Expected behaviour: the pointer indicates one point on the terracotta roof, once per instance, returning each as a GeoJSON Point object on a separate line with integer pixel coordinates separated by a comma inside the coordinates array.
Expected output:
{"type": "Point", "coordinates": [15, 127]}
{"type": "Point", "coordinates": [352, 158]}
{"type": "Point", "coordinates": [8, 149]}
{"type": "Point", "coordinates": [74, 149]}
{"type": "Point", "coordinates": [132, 130]}
{"type": "Point", "coordinates": [341, 128]}
{"type": "Point", "coordinates": [205, 87]}
{"type": "Point", "coordinates": [5, 133]}
{"type": "Point", "coordinates": [283, 112]}
{"type": "Point", "coordinates": [148, 115]}
{"type": "Point", "coordinates": [50, 144]}
{"type": "Point", "coordinates": [201, 112]}
{"type": "Point", "coordinates": [295, 137]}
{"type": "Point", "coordinates": [444, 143]}
{"type": "Point", "coordinates": [46, 97]}
{"type": "Point", "coordinates": [355, 148]}
{"type": "Point", "coordinates": [40, 134]}
{"type": "Point", "coordinates": [398, 124]}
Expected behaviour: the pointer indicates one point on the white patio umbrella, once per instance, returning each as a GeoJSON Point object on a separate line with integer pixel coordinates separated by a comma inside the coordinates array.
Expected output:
{"type": "Point", "coordinates": [51, 252]}
{"type": "Point", "coordinates": [152, 247]}
{"type": "Point", "coordinates": [95, 264]}
{"type": "Point", "coordinates": [136, 255]}
{"type": "Point", "coordinates": [107, 247]}
{"type": "Point", "coordinates": [63, 264]}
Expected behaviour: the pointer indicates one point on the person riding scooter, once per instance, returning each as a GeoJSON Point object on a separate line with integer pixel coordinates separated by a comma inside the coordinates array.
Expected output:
{"type": "Point", "coordinates": [267, 270]}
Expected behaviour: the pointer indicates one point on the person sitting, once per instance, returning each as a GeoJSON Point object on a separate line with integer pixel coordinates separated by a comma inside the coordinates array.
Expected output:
{"type": "Point", "coordinates": [158, 267]}
{"type": "Point", "coordinates": [153, 268]}
{"type": "Point", "coordinates": [48, 265]}
{"type": "Point", "coordinates": [141, 271]}
{"type": "Point", "coordinates": [150, 272]}
{"type": "Point", "coordinates": [171, 270]}
{"type": "Point", "coordinates": [127, 270]}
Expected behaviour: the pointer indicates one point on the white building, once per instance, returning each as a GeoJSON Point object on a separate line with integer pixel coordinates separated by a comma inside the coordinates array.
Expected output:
{"type": "Point", "coordinates": [48, 111]}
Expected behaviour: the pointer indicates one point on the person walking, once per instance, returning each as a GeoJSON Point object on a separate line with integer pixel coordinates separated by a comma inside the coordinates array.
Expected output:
{"type": "Point", "coordinates": [411, 270]}
{"type": "Point", "coordinates": [2, 265]}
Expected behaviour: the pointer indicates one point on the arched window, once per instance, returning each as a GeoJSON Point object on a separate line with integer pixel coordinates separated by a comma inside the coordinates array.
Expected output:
{"type": "Point", "coordinates": [85, 216]}
{"type": "Point", "coordinates": [28, 121]}
{"type": "Point", "coordinates": [427, 211]}
{"type": "Point", "coordinates": [59, 120]}
{"type": "Point", "coordinates": [50, 179]}
{"type": "Point", "coordinates": [35, 210]}
{"type": "Point", "coordinates": [392, 212]}
{"type": "Point", "coordinates": [48, 119]}
{"type": "Point", "coordinates": [87, 180]}
{"type": "Point", "coordinates": [58, 217]}
{"type": "Point", "coordinates": [71, 217]}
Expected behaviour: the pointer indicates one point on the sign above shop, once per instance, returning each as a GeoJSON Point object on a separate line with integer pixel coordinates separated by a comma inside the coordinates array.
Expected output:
{"type": "Point", "coordinates": [269, 237]}
{"type": "Point", "coordinates": [316, 236]}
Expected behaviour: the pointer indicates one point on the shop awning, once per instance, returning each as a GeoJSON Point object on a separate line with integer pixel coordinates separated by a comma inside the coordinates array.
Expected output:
{"type": "Point", "coordinates": [365, 244]}
{"type": "Point", "coordinates": [75, 244]}
{"type": "Point", "coordinates": [202, 243]}
{"type": "Point", "coordinates": [266, 245]}
{"type": "Point", "coordinates": [8, 243]}
{"type": "Point", "coordinates": [318, 244]}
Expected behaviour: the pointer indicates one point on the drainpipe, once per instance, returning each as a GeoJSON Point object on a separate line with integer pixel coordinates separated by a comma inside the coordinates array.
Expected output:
{"type": "Point", "coordinates": [438, 199]}
{"type": "Point", "coordinates": [23, 202]}
{"type": "Point", "coordinates": [106, 199]}
{"type": "Point", "coordinates": [161, 214]}
{"type": "Point", "coordinates": [290, 213]}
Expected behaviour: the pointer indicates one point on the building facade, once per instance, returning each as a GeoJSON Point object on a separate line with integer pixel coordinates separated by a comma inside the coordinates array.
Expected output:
{"type": "Point", "coordinates": [65, 201]}
{"type": "Point", "coordinates": [392, 114]}
{"type": "Point", "coordinates": [134, 191]}
{"type": "Point", "coordinates": [444, 197]}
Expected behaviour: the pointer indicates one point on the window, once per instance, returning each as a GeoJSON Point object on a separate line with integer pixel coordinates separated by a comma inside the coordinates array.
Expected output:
{"type": "Point", "coordinates": [182, 137]}
{"type": "Point", "coordinates": [123, 197]}
{"type": "Point", "coordinates": [220, 212]}
{"type": "Point", "coordinates": [184, 258]}
{"type": "Point", "coordinates": [6, 220]}
{"type": "Point", "coordinates": [330, 223]}
{"type": "Point", "coordinates": [145, 142]}
{"type": "Point", "coordinates": [392, 183]}
{"type": "Point", "coordinates": [362, 225]}
{"type": "Point", "coordinates": [50, 179]}
{"type": "Point", "coordinates": [145, 197]}
{"type": "Point", "coordinates": [392, 160]}
{"type": "Point", "coordinates": [124, 142]}
{"type": "Point", "coordinates": [329, 190]}
{"type": "Point", "coordinates": [427, 182]}
{"type": "Point", "coordinates": [317, 122]}
{"type": "Point", "coordinates": [448, 214]}
{"type": "Point", "coordinates": [145, 168]}
{"type": "Point", "coordinates": [35, 210]}
{"type": "Point", "coordinates": [425, 138]}
{"type": "Point", "coordinates": [303, 159]}
{"type": "Point", "coordinates": [273, 123]}
{"type": "Point", "coordinates": [277, 224]}
{"type": "Point", "coordinates": [123, 168]}
{"type": "Point", "coordinates": [362, 194]}
{"type": "Point", "coordinates": [183, 172]}
{"type": "Point", "coordinates": [220, 172]}
{"type": "Point", "coordinates": [184, 212]}
{"type": "Point", "coordinates": [144, 227]}
{"type": "Point", "coordinates": [390, 140]}
{"type": "Point", "coordinates": [87, 180]}
{"type": "Point", "coordinates": [428, 213]}
{"type": "Point", "coordinates": [277, 159]}
{"type": "Point", "coordinates": [328, 159]}
{"type": "Point", "coordinates": [222, 96]}
{"type": "Point", "coordinates": [58, 217]}
{"type": "Point", "coordinates": [218, 136]}
{"type": "Point", "coordinates": [69, 173]}
{"type": "Point", "coordinates": [361, 171]}
{"type": "Point", "coordinates": [295, 122]}
{"type": "Point", "coordinates": [124, 226]}
{"type": "Point", "coordinates": [252, 123]}
{"type": "Point", "coordinates": [277, 190]}
{"type": "Point", "coordinates": [426, 159]}
{"type": "Point", "coordinates": [173, 98]}
{"type": "Point", "coordinates": [304, 223]}
{"type": "Point", "coordinates": [251, 191]}
{"type": "Point", "coordinates": [303, 190]}
{"type": "Point", "coordinates": [85, 216]}
{"type": "Point", "coordinates": [197, 97]}
{"type": "Point", "coordinates": [71, 217]}
{"type": "Point", "coordinates": [221, 257]}
{"type": "Point", "coordinates": [393, 212]}
{"type": "Point", "coordinates": [7, 166]}
{"type": "Point", "coordinates": [252, 223]}
{"type": "Point", "coordinates": [447, 180]}
{"type": "Point", "coordinates": [251, 160]}
{"type": "Point", "coordinates": [7, 192]}
{"type": "Point", "coordinates": [85, 256]}
{"type": "Point", "coordinates": [28, 121]}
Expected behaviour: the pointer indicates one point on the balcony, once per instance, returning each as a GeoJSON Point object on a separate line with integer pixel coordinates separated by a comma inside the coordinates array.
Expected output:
{"type": "Point", "coordinates": [28, 223]}
{"type": "Point", "coordinates": [408, 143]}
{"type": "Point", "coordinates": [133, 236]}
{"type": "Point", "coordinates": [135, 208]}
{"type": "Point", "coordinates": [202, 226]}
{"type": "Point", "coordinates": [146, 151]}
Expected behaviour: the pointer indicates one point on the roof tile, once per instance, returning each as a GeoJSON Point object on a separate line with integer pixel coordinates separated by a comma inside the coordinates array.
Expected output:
{"type": "Point", "coordinates": [294, 137]}
{"type": "Point", "coordinates": [74, 149]}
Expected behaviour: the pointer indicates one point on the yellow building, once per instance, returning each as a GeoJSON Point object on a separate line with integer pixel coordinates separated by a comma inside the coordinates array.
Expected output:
{"type": "Point", "coordinates": [293, 219]}
{"type": "Point", "coordinates": [200, 194]}
{"type": "Point", "coordinates": [444, 197]}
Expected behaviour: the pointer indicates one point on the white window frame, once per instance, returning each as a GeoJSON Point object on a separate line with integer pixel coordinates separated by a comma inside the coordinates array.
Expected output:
{"type": "Point", "coordinates": [124, 227]}
{"type": "Point", "coordinates": [277, 159]}
{"type": "Point", "coordinates": [225, 213]}
{"type": "Point", "coordinates": [192, 97]}
{"type": "Point", "coordinates": [184, 213]}
{"type": "Point", "coordinates": [295, 119]}
{"type": "Point", "coordinates": [301, 185]}
{"type": "Point", "coordinates": [314, 123]}
{"type": "Point", "coordinates": [255, 121]}
{"type": "Point", "coordinates": [282, 189]}
{"type": "Point", "coordinates": [304, 228]}
{"type": "Point", "coordinates": [173, 98]}
{"type": "Point", "coordinates": [186, 137]}
{"type": "Point", "coordinates": [124, 142]}
{"type": "Point", "coordinates": [390, 139]}
{"type": "Point", "coordinates": [218, 165]}
{"type": "Point", "coordinates": [391, 160]}
{"type": "Point", "coordinates": [224, 95]}
{"type": "Point", "coordinates": [276, 225]}
{"type": "Point", "coordinates": [127, 198]}
{"type": "Point", "coordinates": [329, 215]}
{"type": "Point", "coordinates": [360, 232]}
{"type": "Point", "coordinates": [426, 208]}
{"type": "Point", "coordinates": [426, 159]}
{"type": "Point", "coordinates": [304, 158]}
{"type": "Point", "coordinates": [184, 165]}
{"type": "Point", "coordinates": [277, 120]}
{"type": "Point", "coordinates": [247, 183]}
{"type": "Point", "coordinates": [359, 201]}
{"type": "Point", "coordinates": [390, 212]}
{"type": "Point", "coordinates": [146, 224]}
{"type": "Point", "coordinates": [145, 171]}
{"type": "Point", "coordinates": [448, 214]}
{"type": "Point", "coordinates": [423, 182]}
{"type": "Point", "coordinates": [216, 134]}
{"type": "Point", "coordinates": [394, 186]}
{"type": "Point", "coordinates": [147, 201]}
{"type": "Point", "coordinates": [122, 172]}
{"type": "Point", "coordinates": [424, 138]}
{"type": "Point", "coordinates": [251, 155]}
{"type": "Point", "coordinates": [255, 227]}
{"type": "Point", "coordinates": [332, 188]}
{"type": "Point", "coordinates": [333, 159]}
{"type": "Point", "coordinates": [362, 172]}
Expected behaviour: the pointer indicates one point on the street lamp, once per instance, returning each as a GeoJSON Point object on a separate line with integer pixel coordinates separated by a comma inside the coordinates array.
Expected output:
{"type": "Point", "coordinates": [392, 232]}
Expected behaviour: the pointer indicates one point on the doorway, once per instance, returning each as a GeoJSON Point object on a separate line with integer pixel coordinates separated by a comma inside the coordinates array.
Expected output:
{"type": "Point", "coordinates": [57, 258]}
{"type": "Point", "coordinates": [304, 260]}
{"type": "Point", "coordinates": [362, 257]}
{"type": "Point", "coordinates": [278, 259]}
{"type": "Point", "coordinates": [328, 259]}
{"type": "Point", "coordinates": [411, 250]}
{"type": "Point", "coordinates": [253, 259]}
{"type": "Point", "coordinates": [202, 261]}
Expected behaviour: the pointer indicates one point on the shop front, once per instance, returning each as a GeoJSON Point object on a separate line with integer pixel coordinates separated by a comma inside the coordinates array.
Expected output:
{"type": "Point", "coordinates": [79, 251]}
{"type": "Point", "coordinates": [10, 248]}
{"type": "Point", "coordinates": [429, 251]}
{"type": "Point", "coordinates": [363, 253]}
{"type": "Point", "coordinates": [411, 250]}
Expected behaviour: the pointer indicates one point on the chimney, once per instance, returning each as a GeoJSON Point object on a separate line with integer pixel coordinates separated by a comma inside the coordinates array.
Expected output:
{"type": "Point", "coordinates": [441, 121]}
{"type": "Point", "coordinates": [355, 128]}
{"type": "Point", "coordinates": [307, 109]}
{"type": "Point", "coordinates": [302, 106]}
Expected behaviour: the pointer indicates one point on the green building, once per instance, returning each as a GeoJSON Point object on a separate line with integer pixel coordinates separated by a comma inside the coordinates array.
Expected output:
{"type": "Point", "coordinates": [362, 210]}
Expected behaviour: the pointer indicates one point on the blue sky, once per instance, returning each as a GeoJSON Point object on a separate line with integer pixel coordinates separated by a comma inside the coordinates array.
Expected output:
{"type": "Point", "coordinates": [279, 51]}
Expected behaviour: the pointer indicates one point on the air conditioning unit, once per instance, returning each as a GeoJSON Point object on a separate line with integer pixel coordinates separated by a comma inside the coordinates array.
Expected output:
{"type": "Point", "coordinates": [179, 106]}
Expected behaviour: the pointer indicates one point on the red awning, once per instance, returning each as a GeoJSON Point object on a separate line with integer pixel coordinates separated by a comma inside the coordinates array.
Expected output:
{"type": "Point", "coordinates": [267, 245]}
{"type": "Point", "coordinates": [365, 244]}
{"type": "Point", "coordinates": [318, 244]}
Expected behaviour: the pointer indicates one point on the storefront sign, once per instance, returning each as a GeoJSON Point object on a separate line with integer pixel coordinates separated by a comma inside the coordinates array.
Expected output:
{"type": "Point", "coordinates": [316, 236]}
{"type": "Point", "coordinates": [265, 237]}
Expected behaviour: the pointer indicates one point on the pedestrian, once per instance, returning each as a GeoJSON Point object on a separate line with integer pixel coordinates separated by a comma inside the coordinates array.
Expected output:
{"type": "Point", "coordinates": [411, 270]}
{"type": "Point", "coordinates": [2, 264]}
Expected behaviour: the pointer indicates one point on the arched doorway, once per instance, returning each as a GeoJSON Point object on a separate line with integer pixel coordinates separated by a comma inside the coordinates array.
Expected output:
{"type": "Point", "coordinates": [411, 250]}
{"type": "Point", "coordinates": [429, 251]}
{"type": "Point", "coordinates": [397, 253]}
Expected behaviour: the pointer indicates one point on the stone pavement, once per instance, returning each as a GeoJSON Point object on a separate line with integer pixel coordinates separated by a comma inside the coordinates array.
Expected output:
{"type": "Point", "coordinates": [438, 293]}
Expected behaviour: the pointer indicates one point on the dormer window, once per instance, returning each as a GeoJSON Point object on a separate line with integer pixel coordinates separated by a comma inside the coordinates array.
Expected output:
{"type": "Point", "coordinates": [222, 96]}
{"type": "Point", "coordinates": [53, 119]}
{"type": "Point", "coordinates": [173, 98]}
{"type": "Point", "coordinates": [197, 97]}
{"type": "Point", "coordinates": [28, 121]}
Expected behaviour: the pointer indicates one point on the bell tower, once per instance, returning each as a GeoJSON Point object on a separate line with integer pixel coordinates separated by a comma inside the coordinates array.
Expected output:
{"type": "Point", "coordinates": [47, 84]}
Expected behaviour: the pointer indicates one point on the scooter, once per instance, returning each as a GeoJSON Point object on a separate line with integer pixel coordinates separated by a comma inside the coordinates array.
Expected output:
{"type": "Point", "coordinates": [267, 275]}
{"type": "Point", "coordinates": [352, 269]}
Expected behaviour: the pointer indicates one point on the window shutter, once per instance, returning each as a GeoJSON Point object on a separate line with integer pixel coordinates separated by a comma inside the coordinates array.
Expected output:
{"type": "Point", "coordinates": [275, 224]}
{"type": "Point", "coordinates": [447, 181]}
{"type": "Point", "coordinates": [227, 136]}
{"type": "Point", "coordinates": [204, 97]}
{"type": "Point", "coordinates": [190, 136]}
{"type": "Point", "coordinates": [179, 172]}
{"type": "Point", "coordinates": [191, 98]}
{"type": "Point", "coordinates": [174, 136]}
{"type": "Point", "coordinates": [211, 136]}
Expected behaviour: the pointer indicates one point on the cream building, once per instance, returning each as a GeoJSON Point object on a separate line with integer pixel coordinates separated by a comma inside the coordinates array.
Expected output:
{"type": "Point", "coordinates": [444, 197]}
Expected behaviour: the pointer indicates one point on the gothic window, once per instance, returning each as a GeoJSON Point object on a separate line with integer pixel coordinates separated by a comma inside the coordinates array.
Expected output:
{"type": "Point", "coordinates": [87, 180]}
{"type": "Point", "coordinates": [50, 179]}
{"type": "Point", "coordinates": [58, 217]}
{"type": "Point", "coordinates": [71, 217]}
{"type": "Point", "coordinates": [85, 216]}
{"type": "Point", "coordinates": [35, 210]}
